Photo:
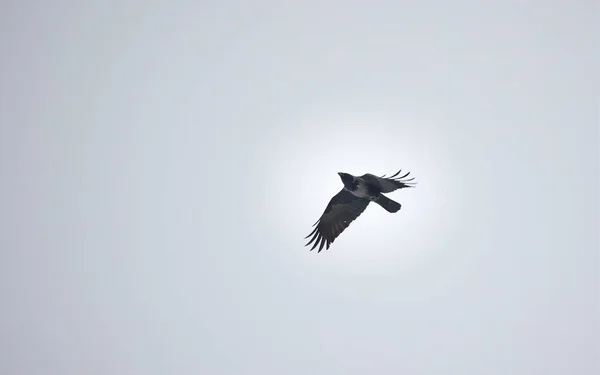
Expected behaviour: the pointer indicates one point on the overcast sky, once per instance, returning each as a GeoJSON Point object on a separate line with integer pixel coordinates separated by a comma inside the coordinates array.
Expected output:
{"type": "Point", "coordinates": [161, 162]}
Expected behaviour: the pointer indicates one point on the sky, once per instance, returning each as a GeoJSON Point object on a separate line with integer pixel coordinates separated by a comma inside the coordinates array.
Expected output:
{"type": "Point", "coordinates": [161, 162]}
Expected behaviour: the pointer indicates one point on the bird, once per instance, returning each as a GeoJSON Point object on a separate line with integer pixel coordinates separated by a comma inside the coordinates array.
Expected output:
{"type": "Point", "coordinates": [352, 200]}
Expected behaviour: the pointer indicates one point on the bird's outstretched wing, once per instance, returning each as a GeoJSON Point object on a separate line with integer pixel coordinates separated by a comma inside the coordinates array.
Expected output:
{"type": "Point", "coordinates": [389, 184]}
{"type": "Point", "coordinates": [342, 209]}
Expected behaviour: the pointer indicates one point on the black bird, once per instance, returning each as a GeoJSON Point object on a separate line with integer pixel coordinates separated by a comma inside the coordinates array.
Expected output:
{"type": "Point", "coordinates": [351, 201]}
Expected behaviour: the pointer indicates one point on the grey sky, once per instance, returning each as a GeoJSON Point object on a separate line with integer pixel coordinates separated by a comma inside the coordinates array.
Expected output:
{"type": "Point", "coordinates": [160, 163]}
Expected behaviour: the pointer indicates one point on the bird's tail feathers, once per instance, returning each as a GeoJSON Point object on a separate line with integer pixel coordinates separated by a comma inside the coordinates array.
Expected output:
{"type": "Point", "coordinates": [388, 204]}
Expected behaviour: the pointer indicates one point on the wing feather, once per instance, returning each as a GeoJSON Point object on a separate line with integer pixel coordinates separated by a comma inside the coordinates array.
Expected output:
{"type": "Point", "coordinates": [389, 184]}
{"type": "Point", "coordinates": [342, 210]}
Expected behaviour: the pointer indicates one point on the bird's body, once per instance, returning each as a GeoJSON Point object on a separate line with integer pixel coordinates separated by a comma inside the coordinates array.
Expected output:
{"type": "Point", "coordinates": [363, 190]}
{"type": "Point", "coordinates": [351, 201]}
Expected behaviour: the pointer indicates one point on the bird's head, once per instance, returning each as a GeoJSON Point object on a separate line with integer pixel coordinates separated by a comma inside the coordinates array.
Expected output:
{"type": "Point", "coordinates": [347, 179]}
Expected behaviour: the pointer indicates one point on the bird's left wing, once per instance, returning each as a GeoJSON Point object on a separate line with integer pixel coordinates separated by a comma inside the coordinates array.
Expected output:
{"type": "Point", "coordinates": [389, 184]}
{"type": "Point", "coordinates": [342, 209]}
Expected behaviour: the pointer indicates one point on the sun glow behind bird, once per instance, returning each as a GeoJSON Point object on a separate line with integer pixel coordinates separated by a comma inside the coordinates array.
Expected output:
{"type": "Point", "coordinates": [302, 178]}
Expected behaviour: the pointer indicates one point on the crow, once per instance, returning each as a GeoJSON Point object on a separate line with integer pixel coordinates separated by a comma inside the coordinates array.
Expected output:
{"type": "Point", "coordinates": [351, 201]}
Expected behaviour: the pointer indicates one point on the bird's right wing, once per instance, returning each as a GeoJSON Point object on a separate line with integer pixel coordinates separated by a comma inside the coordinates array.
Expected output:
{"type": "Point", "coordinates": [342, 209]}
{"type": "Point", "coordinates": [389, 184]}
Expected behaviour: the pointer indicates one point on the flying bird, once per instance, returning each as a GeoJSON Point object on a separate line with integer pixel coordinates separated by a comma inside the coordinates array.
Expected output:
{"type": "Point", "coordinates": [351, 201]}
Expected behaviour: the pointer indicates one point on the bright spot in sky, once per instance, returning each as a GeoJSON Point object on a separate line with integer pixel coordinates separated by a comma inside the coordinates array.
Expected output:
{"type": "Point", "coordinates": [303, 173]}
